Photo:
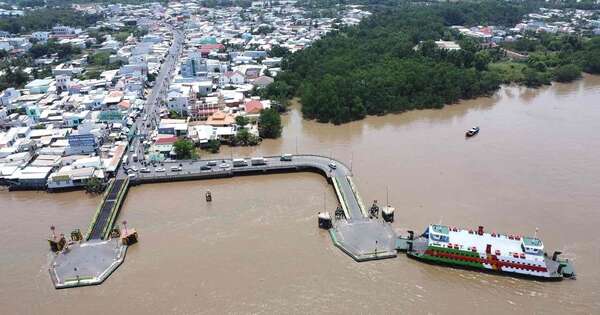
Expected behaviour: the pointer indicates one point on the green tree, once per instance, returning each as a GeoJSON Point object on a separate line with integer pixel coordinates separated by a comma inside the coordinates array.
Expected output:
{"type": "Point", "coordinates": [173, 114]}
{"type": "Point", "coordinates": [214, 146]}
{"type": "Point", "coordinates": [567, 73]}
{"type": "Point", "coordinates": [243, 137]}
{"type": "Point", "coordinates": [534, 78]}
{"type": "Point", "coordinates": [184, 149]}
{"type": "Point", "coordinates": [100, 59]}
{"type": "Point", "coordinates": [481, 60]}
{"type": "Point", "coordinates": [269, 123]}
{"type": "Point", "coordinates": [241, 121]}
{"type": "Point", "coordinates": [94, 185]}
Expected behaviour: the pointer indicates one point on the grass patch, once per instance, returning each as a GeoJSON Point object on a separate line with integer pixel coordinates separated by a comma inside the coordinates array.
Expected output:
{"type": "Point", "coordinates": [509, 71]}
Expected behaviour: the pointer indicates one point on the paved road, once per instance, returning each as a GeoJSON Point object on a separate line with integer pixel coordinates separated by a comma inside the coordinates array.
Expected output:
{"type": "Point", "coordinates": [104, 215]}
{"type": "Point", "coordinates": [144, 124]}
{"type": "Point", "coordinates": [150, 115]}
{"type": "Point", "coordinates": [209, 168]}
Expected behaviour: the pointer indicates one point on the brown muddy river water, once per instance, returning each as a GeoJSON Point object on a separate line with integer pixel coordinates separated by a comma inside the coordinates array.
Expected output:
{"type": "Point", "coordinates": [257, 249]}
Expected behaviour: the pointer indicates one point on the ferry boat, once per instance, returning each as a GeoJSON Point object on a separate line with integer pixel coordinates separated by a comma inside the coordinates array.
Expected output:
{"type": "Point", "coordinates": [476, 249]}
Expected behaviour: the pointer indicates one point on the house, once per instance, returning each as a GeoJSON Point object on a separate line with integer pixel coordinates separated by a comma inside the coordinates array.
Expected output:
{"type": "Point", "coordinates": [113, 98]}
{"type": "Point", "coordinates": [39, 86]}
{"type": "Point", "coordinates": [262, 81]}
{"type": "Point", "coordinates": [204, 87]}
{"type": "Point", "coordinates": [253, 107]}
{"type": "Point", "coordinates": [232, 77]}
{"type": "Point", "coordinates": [448, 45]}
{"type": "Point", "coordinates": [164, 144]}
{"type": "Point", "coordinates": [5, 45]}
{"type": "Point", "coordinates": [66, 69]}
{"type": "Point", "coordinates": [177, 101]}
{"type": "Point", "coordinates": [63, 82]}
{"type": "Point", "coordinates": [69, 177]}
{"type": "Point", "coordinates": [63, 30]}
{"type": "Point", "coordinates": [41, 36]}
{"type": "Point", "coordinates": [30, 177]}
{"type": "Point", "coordinates": [81, 144]}
{"type": "Point", "coordinates": [201, 134]}
{"type": "Point", "coordinates": [220, 119]}
{"type": "Point", "coordinates": [8, 96]}
{"type": "Point", "coordinates": [175, 127]}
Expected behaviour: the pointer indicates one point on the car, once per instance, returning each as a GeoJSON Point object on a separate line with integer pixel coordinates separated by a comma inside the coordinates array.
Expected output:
{"type": "Point", "coordinates": [132, 175]}
{"type": "Point", "coordinates": [286, 157]}
{"type": "Point", "coordinates": [133, 168]}
{"type": "Point", "coordinates": [205, 167]}
{"type": "Point", "coordinates": [144, 170]}
{"type": "Point", "coordinates": [224, 165]}
{"type": "Point", "coordinates": [212, 163]}
{"type": "Point", "coordinates": [176, 168]}
{"type": "Point", "coordinates": [332, 165]}
{"type": "Point", "coordinates": [159, 169]}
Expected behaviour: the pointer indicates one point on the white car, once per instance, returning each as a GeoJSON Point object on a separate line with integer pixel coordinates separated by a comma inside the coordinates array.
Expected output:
{"type": "Point", "coordinates": [144, 170]}
{"type": "Point", "coordinates": [332, 165]}
{"type": "Point", "coordinates": [159, 169]}
{"type": "Point", "coordinates": [224, 165]}
{"type": "Point", "coordinates": [132, 175]}
{"type": "Point", "coordinates": [133, 168]}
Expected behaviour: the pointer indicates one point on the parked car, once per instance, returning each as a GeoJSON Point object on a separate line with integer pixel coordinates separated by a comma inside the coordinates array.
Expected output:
{"type": "Point", "coordinates": [176, 168]}
{"type": "Point", "coordinates": [224, 165]}
{"type": "Point", "coordinates": [144, 170]}
{"type": "Point", "coordinates": [160, 169]}
{"type": "Point", "coordinates": [205, 167]}
{"type": "Point", "coordinates": [212, 163]}
{"type": "Point", "coordinates": [286, 157]}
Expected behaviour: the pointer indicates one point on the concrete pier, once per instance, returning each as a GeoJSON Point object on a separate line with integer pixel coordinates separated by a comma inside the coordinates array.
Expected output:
{"type": "Point", "coordinates": [357, 235]}
{"type": "Point", "coordinates": [87, 263]}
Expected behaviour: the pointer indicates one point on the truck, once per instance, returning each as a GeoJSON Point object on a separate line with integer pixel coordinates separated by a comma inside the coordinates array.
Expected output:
{"type": "Point", "coordinates": [239, 162]}
{"type": "Point", "coordinates": [258, 161]}
{"type": "Point", "coordinates": [134, 157]}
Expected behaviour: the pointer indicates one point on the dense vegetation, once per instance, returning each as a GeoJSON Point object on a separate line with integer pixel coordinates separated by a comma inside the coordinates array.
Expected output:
{"type": "Point", "coordinates": [62, 51]}
{"type": "Point", "coordinates": [269, 123]}
{"type": "Point", "coordinates": [389, 62]}
{"type": "Point", "coordinates": [45, 18]}
{"type": "Point", "coordinates": [184, 149]}
{"type": "Point", "coordinates": [554, 57]}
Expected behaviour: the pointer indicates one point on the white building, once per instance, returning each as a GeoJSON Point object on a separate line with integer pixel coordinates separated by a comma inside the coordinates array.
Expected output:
{"type": "Point", "coordinates": [41, 36]}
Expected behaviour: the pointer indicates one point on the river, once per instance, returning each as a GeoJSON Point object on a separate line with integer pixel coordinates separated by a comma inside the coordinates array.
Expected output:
{"type": "Point", "coordinates": [257, 249]}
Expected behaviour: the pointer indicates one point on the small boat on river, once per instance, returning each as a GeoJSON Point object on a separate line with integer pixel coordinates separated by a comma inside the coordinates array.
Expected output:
{"type": "Point", "coordinates": [471, 132]}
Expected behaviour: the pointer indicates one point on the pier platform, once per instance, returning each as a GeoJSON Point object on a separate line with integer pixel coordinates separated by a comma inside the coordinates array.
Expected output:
{"type": "Point", "coordinates": [357, 235]}
{"type": "Point", "coordinates": [87, 263]}
{"type": "Point", "coordinates": [365, 239]}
